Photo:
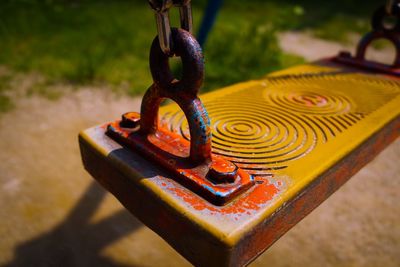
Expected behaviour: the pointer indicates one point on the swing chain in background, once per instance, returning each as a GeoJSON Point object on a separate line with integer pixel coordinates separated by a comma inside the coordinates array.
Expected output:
{"type": "Point", "coordinates": [161, 9]}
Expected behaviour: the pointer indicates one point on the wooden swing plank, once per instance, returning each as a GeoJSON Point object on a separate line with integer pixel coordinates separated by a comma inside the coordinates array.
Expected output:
{"type": "Point", "coordinates": [301, 132]}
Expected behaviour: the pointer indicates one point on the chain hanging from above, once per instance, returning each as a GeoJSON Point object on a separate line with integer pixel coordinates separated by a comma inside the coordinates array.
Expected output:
{"type": "Point", "coordinates": [161, 9]}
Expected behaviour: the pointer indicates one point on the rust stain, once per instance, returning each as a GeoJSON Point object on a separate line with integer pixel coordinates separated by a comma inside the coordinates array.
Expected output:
{"type": "Point", "coordinates": [263, 192]}
{"type": "Point", "coordinates": [170, 150]}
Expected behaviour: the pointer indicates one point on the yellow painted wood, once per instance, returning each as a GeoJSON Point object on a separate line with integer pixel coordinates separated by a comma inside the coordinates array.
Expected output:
{"type": "Point", "coordinates": [288, 128]}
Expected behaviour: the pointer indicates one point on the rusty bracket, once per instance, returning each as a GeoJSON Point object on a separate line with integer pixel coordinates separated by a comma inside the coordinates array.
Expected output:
{"type": "Point", "coordinates": [192, 163]}
{"type": "Point", "coordinates": [379, 31]}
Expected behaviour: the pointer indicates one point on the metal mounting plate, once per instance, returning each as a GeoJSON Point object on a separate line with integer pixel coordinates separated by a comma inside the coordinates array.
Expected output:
{"type": "Point", "coordinates": [301, 132]}
{"type": "Point", "coordinates": [171, 150]}
{"type": "Point", "coordinates": [347, 59]}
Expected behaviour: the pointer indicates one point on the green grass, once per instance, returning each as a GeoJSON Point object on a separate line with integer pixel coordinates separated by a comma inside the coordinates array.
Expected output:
{"type": "Point", "coordinates": [78, 44]}
{"type": "Point", "coordinates": [89, 41]}
{"type": "Point", "coordinates": [231, 59]}
{"type": "Point", "coordinates": [330, 19]}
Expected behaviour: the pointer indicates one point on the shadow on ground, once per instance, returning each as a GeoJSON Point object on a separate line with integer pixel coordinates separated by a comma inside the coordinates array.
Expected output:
{"type": "Point", "coordinates": [76, 241]}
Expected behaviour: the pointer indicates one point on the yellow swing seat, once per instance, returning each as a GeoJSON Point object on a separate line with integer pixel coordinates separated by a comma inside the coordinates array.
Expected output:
{"type": "Point", "coordinates": [301, 132]}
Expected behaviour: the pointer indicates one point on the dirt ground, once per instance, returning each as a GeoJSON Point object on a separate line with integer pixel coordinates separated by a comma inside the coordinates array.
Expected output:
{"type": "Point", "coordinates": [53, 213]}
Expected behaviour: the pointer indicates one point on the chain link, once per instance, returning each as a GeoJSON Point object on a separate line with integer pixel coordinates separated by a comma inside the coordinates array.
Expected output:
{"type": "Point", "coordinates": [161, 9]}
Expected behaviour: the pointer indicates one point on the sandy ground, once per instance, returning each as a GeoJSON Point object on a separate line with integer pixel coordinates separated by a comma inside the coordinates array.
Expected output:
{"type": "Point", "coordinates": [53, 213]}
{"type": "Point", "coordinates": [312, 48]}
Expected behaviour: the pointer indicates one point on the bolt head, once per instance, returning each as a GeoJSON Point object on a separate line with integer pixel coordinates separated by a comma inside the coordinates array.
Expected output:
{"type": "Point", "coordinates": [222, 172]}
{"type": "Point", "coordinates": [130, 120]}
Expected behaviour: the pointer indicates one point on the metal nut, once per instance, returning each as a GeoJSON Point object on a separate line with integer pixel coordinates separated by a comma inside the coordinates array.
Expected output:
{"type": "Point", "coordinates": [130, 120]}
{"type": "Point", "coordinates": [222, 173]}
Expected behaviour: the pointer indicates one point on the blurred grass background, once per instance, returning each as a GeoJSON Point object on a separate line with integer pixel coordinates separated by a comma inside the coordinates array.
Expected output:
{"type": "Point", "coordinates": [107, 42]}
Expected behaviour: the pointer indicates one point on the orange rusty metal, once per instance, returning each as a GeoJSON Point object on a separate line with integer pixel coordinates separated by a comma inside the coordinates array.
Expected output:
{"type": "Point", "coordinates": [170, 150]}
{"type": "Point", "coordinates": [211, 176]}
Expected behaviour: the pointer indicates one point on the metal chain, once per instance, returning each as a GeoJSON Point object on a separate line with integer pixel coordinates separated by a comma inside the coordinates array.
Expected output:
{"type": "Point", "coordinates": [161, 9]}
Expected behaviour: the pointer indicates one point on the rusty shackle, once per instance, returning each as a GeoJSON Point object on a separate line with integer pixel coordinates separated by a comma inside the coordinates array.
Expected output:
{"type": "Point", "coordinates": [183, 92]}
{"type": "Point", "coordinates": [213, 177]}
{"type": "Point", "coordinates": [381, 31]}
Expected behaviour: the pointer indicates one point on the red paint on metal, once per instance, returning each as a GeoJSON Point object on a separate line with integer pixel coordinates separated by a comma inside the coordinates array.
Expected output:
{"type": "Point", "coordinates": [251, 201]}
{"type": "Point", "coordinates": [171, 151]}
{"type": "Point", "coordinates": [194, 166]}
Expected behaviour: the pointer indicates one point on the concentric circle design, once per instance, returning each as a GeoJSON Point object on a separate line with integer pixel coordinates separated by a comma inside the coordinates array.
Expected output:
{"type": "Point", "coordinates": [255, 136]}
{"type": "Point", "coordinates": [266, 127]}
{"type": "Point", "coordinates": [310, 102]}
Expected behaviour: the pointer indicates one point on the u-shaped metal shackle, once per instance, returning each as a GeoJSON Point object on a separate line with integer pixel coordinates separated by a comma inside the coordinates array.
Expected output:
{"type": "Point", "coordinates": [183, 92]}
{"type": "Point", "coordinates": [380, 31]}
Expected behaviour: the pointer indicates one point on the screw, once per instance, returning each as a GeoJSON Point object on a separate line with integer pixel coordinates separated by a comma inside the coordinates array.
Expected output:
{"type": "Point", "coordinates": [130, 120]}
{"type": "Point", "coordinates": [222, 172]}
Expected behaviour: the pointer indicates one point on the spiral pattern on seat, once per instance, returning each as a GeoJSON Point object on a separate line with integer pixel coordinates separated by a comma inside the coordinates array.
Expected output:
{"type": "Point", "coordinates": [311, 102]}
{"type": "Point", "coordinates": [264, 127]}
